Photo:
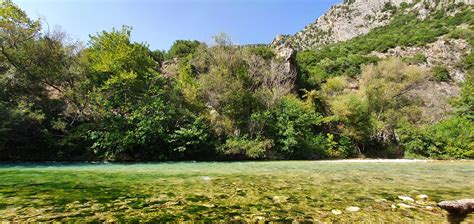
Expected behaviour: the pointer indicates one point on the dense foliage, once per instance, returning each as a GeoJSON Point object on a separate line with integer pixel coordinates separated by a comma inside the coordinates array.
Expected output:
{"type": "Point", "coordinates": [116, 99]}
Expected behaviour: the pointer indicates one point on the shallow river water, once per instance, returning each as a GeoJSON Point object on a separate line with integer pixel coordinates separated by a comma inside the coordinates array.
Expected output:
{"type": "Point", "coordinates": [315, 191]}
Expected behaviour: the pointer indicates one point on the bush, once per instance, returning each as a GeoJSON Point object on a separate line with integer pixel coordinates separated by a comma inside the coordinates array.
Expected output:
{"type": "Point", "coordinates": [416, 59]}
{"type": "Point", "coordinates": [444, 140]}
{"type": "Point", "coordinates": [466, 34]}
{"type": "Point", "coordinates": [292, 125]}
{"type": "Point", "coordinates": [346, 58]}
{"type": "Point", "coordinates": [263, 51]}
{"type": "Point", "coordinates": [465, 103]}
{"type": "Point", "coordinates": [315, 67]}
{"type": "Point", "coordinates": [454, 137]}
{"type": "Point", "coordinates": [252, 148]}
{"type": "Point", "coordinates": [182, 48]}
{"type": "Point", "coordinates": [389, 7]}
{"type": "Point", "coordinates": [340, 149]}
{"type": "Point", "coordinates": [441, 73]}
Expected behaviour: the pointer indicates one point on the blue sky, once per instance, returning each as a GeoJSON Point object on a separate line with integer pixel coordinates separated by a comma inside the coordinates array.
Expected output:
{"type": "Point", "coordinates": [160, 22]}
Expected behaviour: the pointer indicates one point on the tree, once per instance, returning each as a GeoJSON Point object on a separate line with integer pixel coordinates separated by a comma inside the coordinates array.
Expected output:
{"type": "Point", "coordinates": [355, 120]}
{"type": "Point", "coordinates": [371, 113]}
{"type": "Point", "coordinates": [222, 39]}
{"type": "Point", "coordinates": [183, 48]}
{"type": "Point", "coordinates": [293, 125]}
{"type": "Point", "coordinates": [386, 86]}
{"type": "Point", "coordinates": [38, 72]}
{"type": "Point", "coordinates": [132, 104]}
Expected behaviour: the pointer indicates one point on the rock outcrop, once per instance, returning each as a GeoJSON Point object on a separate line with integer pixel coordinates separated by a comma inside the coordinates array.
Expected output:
{"type": "Point", "coordinates": [435, 97]}
{"type": "Point", "coordinates": [288, 54]}
{"type": "Point", "coordinates": [445, 51]}
{"type": "Point", "coordinates": [170, 68]}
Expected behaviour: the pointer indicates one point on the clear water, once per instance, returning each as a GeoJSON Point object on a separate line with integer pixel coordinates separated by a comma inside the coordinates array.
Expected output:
{"type": "Point", "coordinates": [245, 191]}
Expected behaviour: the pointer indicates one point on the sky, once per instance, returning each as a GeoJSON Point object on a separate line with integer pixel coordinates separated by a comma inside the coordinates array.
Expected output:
{"type": "Point", "coordinates": [160, 22]}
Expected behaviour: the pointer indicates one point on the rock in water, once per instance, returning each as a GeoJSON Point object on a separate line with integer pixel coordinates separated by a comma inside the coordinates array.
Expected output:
{"type": "Point", "coordinates": [458, 210]}
{"type": "Point", "coordinates": [406, 198]}
{"type": "Point", "coordinates": [422, 197]}
{"type": "Point", "coordinates": [402, 205]}
{"type": "Point", "coordinates": [279, 199]}
{"type": "Point", "coordinates": [352, 209]}
{"type": "Point", "coordinates": [463, 205]}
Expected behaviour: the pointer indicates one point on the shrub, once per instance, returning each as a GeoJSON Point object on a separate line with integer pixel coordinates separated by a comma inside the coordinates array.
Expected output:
{"type": "Point", "coordinates": [252, 148]}
{"type": "Point", "coordinates": [466, 34]}
{"type": "Point", "coordinates": [416, 59]}
{"type": "Point", "coordinates": [441, 73]}
{"type": "Point", "coordinates": [454, 137]}
{"type": "Point", "coordinates": [340, 149]}
{"type": "Point", "coordinates": [445, 140]}
{"type": "Point", "coordinates": [263, 51]}
{"type": "Point", "coordinates": [182, 48]}
{"type": "Point", "coordinates": [292, 122]}
{"type": "Point", "coordinates": [389, 7]}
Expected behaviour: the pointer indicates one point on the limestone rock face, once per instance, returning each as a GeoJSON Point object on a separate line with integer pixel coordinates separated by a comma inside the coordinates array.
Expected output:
{"type": "Point", "coordinates": [353, 18]}
{"type": "Point", "coordinates": [435, 97]}
{"type": "Point", "coordinates": [445, 51]}
{"type": "Point", "coordinates": [288, 54]}
{"type": "Point", "coordinates": [170, 68]}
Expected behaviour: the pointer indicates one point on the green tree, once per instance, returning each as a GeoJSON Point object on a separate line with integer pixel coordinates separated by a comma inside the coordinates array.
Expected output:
{"type": "Point", "coordinates": [135, 107]}
{"type": "Point", "coordinates": [183, 48]}
{"type": "Point", "coordinates": [352, 113]}
{"type": "Point", "coordinates": [386, 86]}
{"type": "Point", "coordinates": [38, 73]}
{"type": "Point", "coordinates": [293, 125]}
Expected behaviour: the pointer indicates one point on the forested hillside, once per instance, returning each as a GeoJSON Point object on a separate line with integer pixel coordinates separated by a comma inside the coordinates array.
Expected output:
{"type": "Point", "coordinates": [404, 88]}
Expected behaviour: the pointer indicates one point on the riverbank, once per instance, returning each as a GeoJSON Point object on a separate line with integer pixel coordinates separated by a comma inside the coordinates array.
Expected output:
{"type": "Point", "coordinates": [380, 161]}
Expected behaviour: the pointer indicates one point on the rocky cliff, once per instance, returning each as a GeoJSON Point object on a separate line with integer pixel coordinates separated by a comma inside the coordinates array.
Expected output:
{"type": "Point", "coordinates": [353, 18]}
{"type": "Point", "coordinates": [356, 17]}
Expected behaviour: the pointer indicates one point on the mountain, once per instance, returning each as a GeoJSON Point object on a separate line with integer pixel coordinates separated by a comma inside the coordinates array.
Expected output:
{"type": "Point", "coordinates": [435, 36]}
{"type": "Point", "coordinates": [353, 18]}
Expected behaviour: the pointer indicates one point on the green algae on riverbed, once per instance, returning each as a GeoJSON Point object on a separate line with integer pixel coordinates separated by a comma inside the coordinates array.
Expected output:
{"type": "Point", "coordinates": [252, 191]}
